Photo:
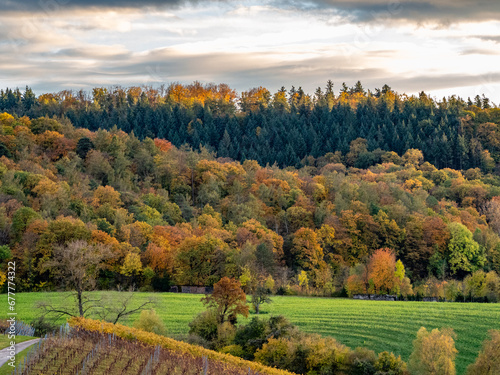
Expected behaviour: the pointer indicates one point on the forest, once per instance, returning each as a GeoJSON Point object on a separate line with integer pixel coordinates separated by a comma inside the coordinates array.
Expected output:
{"type": "Point", "coordinates": [328, 195]}
{"type": "Point", "coordinates": [285, 127]}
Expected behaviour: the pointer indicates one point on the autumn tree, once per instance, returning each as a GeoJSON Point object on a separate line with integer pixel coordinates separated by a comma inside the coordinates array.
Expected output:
{"type": "Point", "coordinates": [433, 353]}
{"type": "Point", "coordinates": [307, 249]}
{"type": "Point", "coordinates": [488, 360]}
{"type": "Point", "coordinates": [200, 260]}
{"type": "Point", "coordinates": [381, 270]}
{"type": "Point", "coordinates": [228, 300]}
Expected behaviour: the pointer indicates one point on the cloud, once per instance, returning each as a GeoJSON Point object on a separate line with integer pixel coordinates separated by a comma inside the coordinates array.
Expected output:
{"type": "Point", "coordinates": [488, 38]}
{"type": "Point", "coordinates": [50, 6]}
{"type": "Point", "coordinates": [442, 12]}
{"type": "Point", "coordinates": [479, 51]}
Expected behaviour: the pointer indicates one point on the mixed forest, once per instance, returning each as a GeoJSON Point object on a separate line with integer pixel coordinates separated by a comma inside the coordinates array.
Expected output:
{"type": "Point", "coordinates": [360, 192]}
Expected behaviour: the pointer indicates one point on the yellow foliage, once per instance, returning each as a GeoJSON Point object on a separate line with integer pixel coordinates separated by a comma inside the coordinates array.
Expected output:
{"type": "Point", "coordinates": [3, 278]}
{"type": "Point", "coordinates": [131, 265]}
{"type": "Point", "coordinates": [434, 353]}
{"type": "Point", "coordinates": [152, 339]}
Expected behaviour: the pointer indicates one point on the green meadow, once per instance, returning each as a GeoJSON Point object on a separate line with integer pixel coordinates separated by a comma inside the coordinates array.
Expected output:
{"type": "Point", "coordinates": [377, 325]}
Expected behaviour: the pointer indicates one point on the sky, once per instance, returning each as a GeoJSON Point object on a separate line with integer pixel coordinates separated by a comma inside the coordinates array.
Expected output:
{"type": "Point", "coordinates": [442, 47]}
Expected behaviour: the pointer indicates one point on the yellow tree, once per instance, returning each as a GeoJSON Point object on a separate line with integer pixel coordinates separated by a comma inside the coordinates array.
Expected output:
{"type": "Point", "coordinates": [433, 353]}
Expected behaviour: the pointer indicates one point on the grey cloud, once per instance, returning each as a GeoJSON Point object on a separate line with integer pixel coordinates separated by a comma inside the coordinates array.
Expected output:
{"type": "Point", "coordinates": [488, 38]}
{"type": "Point", "coordinates": [446, 81]}
{"type": "Point", "coordinates": [56, 5]}
{"type": "Point", "coordinates": [421, 11]}
{"type": "Point", "coordinates": [479, 51]}
{"type": "Point", "coordinates": [89, 53]}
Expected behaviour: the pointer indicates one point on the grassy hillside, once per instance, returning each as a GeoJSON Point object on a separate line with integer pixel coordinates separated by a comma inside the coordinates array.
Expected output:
{"type": "Point", "coordinates": [376, 325]}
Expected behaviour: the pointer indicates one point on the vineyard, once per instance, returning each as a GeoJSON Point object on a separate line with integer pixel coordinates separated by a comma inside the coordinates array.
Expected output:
{"type": "Point", "coordinates": [79, 351]}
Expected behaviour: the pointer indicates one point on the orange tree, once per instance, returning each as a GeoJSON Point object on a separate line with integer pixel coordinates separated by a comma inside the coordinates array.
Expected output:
{"type": "Point", "coordinates": [227, 299]}
{"type": "Point", "coordinates": [381, 269]}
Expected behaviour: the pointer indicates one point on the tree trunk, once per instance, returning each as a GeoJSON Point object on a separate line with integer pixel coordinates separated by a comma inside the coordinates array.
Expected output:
{"type": "Point", "coordinates": [80, 304]}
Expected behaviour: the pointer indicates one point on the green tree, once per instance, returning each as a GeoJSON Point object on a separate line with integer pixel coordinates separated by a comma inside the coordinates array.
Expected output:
{"type": "Point", "coordinates": [83, 147]}
{"type": "Point", "coordinates": [465, 253]}
{"type": "Point", "coordinates": [22, 217]}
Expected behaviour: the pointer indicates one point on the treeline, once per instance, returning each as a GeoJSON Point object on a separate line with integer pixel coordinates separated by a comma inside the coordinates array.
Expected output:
{"type": "Point", "coordinates": [290, 128]}
{"type": "Point", "coordinates": [160, 215]}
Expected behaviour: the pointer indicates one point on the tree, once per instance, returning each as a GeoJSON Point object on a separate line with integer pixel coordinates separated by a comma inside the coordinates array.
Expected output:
{"type": "Point", "coordinates": [114, 306]}
{"type": "Point", "coordinates": [465, 253]}
{"type": "Point", "coordinates": [83, 147]}
{"type": "Point", "coordinates": [306, 249]}
{"type": "Point", "coordinates": [488, 360]}
{"type": "Point", "coordinates": [381, 270]}
{"type": "Point", "coordinates": [77, 265]}
{"type": "Point", "coordinates": [260, 295]}
{"type": "Point", "coordinates": [433, 353]}
{"type": "Point", "coordinates": [228, 300]}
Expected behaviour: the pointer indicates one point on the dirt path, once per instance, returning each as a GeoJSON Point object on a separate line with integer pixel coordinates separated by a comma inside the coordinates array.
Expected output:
{"type": "Point", "coordinates": [5, 353]}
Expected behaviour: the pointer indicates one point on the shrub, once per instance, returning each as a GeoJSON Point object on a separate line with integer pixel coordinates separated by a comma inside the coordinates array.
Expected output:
{"type": "Point", "coordinates": [276, 353]}
{"type": "Point", "coordinates": [388, 364]}
{"type": "Point", "coordinates": [43, 326]}
{"type": "Point", "coordinates": [149, 321]}
{"type": "Point", "coordinates": [235, 350]}
{"type": "Point", "coordinates": [360, 361]}
{"type": "Point", "coordinates": [205, 325]}
{"type": "Point", "coordinates": [252, 336]}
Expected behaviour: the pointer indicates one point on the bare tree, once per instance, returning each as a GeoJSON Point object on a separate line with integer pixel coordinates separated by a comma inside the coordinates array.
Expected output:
{"type": "Point", "coordinates": [119, 305]}
{"type": "Point", "coordinates": [76, 265]}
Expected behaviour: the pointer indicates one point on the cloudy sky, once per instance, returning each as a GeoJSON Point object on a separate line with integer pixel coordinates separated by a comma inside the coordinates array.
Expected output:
{"type": "Point", "coordinates": [443, 47]}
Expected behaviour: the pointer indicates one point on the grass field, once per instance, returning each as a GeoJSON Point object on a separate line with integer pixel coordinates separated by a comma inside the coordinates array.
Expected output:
{"type": "Point", "coordinates": [377, 325]}
{"type": "Point", "coordinates": [5, 341]}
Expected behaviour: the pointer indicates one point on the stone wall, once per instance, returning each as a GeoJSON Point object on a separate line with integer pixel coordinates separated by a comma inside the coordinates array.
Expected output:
{"type": "Point", "coordinates": [192, 289]}
{"type": "Point", "coordinates": [375, 297]}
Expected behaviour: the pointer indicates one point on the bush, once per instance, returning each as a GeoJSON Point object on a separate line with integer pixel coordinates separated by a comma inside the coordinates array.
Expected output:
{"type": "Point", "coordinates": [235, 350]}
{"type": "Point", "coordinates": [225, 335]}
{"type": "Point", "coordinates": [43, 326]}
{"type": "Point", "coordinates": [360, 361]}
{"type": "Point", "coordinates": [205, 325]}
{"type": "Point", "coordinates": [149, 321]}
{"type": "Point", "coordinates": [388, 364]}
{"type": "Point", "coordinates": [252, 336]}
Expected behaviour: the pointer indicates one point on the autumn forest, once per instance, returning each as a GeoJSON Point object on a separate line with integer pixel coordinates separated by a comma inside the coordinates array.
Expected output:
{"type": "Point", "coordinates": [301, 194]}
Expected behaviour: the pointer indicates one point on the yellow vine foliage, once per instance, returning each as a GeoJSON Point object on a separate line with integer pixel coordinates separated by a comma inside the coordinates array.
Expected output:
{"type": "Point", "coordinates": [152, 339]}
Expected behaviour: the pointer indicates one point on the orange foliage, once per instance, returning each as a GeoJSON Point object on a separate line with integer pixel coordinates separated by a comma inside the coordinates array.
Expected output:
{"type": "Point", "coordinates": [381, 270]}
{"type": "Point", "coordinates": [98, 236]}
{"type": "Point", "coordinates": [163, 145]}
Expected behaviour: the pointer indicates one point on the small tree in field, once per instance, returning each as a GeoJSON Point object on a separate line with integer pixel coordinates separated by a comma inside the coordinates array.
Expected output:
{"type": "Point", "coordinates": [77, 265]}
{"type": "Point", "coordinates": [433, 353]}
{"type": "Point", "coordinates": [488, 360]}
{"type": "Point", "coordinates": [227, 299]}
{"type": "Point", "coordinates": [259, 296]}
